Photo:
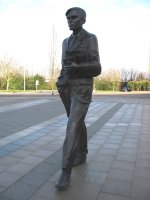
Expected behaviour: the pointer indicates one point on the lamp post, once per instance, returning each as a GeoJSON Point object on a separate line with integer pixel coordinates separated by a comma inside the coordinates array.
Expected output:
{"type": "Point", "coordinates": [24, 79]}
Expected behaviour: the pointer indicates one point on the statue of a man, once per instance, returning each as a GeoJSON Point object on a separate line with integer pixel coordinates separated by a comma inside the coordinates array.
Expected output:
{"type": "Point", "coordinates": [80, 63]}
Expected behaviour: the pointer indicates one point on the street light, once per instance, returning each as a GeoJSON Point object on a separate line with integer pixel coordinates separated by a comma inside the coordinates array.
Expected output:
{"type": "Point", "coordinates": [24, 79]}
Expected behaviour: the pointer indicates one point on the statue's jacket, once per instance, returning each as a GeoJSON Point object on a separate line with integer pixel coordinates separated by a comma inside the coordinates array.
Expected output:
{"type": "Point", "coordinates": [84, 52]}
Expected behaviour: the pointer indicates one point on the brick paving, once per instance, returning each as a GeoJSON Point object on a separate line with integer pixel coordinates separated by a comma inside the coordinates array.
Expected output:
{"type": "Point", "coordinates": [118, 162]}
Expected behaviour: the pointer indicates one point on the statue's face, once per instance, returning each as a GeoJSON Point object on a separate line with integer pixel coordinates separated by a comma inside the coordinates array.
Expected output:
{"type": "Point", "coordinates": [75, 20]}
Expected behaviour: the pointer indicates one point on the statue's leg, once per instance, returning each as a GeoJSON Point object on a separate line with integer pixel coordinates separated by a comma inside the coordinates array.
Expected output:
{"type": "Point", "coordinates": [71, 145]}
{"type": "Point", "coordinates": [65, 95]}
{"type": "Point", "coordinates": [83, 139]}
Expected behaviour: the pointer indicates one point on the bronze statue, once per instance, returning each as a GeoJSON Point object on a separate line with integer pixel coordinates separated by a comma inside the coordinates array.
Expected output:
{"type": "Point", "coordinates": [80, 63]}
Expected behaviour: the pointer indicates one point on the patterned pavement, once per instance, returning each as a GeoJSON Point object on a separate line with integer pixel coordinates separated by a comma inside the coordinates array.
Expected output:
{"type": "Point", "coordinates": [118, 162]}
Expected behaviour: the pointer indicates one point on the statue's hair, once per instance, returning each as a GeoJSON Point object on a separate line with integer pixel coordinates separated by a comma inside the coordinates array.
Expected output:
{"type": "Point", "coordinates": [79, 10]}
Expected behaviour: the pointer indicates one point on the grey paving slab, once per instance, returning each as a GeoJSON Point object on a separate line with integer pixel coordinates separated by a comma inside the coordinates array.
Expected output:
{"type": "Point", "coordinates": [22, 105]}
{"type": "Point", "coordinates": [99, 166]}
{"type": "Point", "coordinates": [111, 146]}
{"type": "Point", "coordinates": [54, 159]}
{"type": "Point", "coordinates": [21, 153]}
{"type": "Point", "coordinates": [123, 165]}
{"type": "Point", "coordinates": [9, 160]}
{"type": "Point", "coordinates": [126, 157]}
{"type": "Point", "coordinates": [8, 178]}
{"type": "Point", "coordinates": [32, 160]}
{"type": "Point", "coordinates": [125, 150]}
{"type": "Point", "coordinates": [20, 119]}
{"type": "Point", "coordinates": [104, 196]}
{"type": "Point", "coordinates": [118, 187]}
{"type": "Point", "coordinates": [143, 163]}
{"type": "Point", "coordinates": [106, 151]}
{"type": "Point", "coordinates": [119, 141]}
{"type": "Point", "coordinates": [121, 174]}
{"type": "Point", "coordinates": [20, 168]}
{"type": "Point", "coordinates": [23, 192]}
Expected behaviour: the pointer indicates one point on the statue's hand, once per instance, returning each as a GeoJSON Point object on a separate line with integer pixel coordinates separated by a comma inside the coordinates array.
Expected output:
{"type": "Point", "coordinates": [71, 68]}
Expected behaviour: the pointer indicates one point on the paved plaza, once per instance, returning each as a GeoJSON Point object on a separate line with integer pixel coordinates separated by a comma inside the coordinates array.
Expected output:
{"type": "Point", "coordinates": [32, 130]}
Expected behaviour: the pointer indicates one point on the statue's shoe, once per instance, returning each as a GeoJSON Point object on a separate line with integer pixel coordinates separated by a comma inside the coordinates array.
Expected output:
{"type": "Point", "coordinates": [63, 181]}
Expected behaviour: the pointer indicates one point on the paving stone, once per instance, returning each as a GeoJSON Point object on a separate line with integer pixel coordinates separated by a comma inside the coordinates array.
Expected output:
{"type": "Point", "coordinates": [7, 178]}
{"type": "Point", "coordinates": [87, 178]}
{"type": "Point", "coordinates": [103, 158]}
{"type": "Point", "coordinates": [141, 195]}
{"type": "Point", "coordinates": [21, 142]}
{"type": "Point", "coordinates": [42, 153]}
{"type": "Point", "coordinates": [11, 147]}
{"type": "Point", "coordinates": [107, 151]}
{"type": "Point", "coordinates": [88, 190]}
{"type": "Point", "coordinates": [126, 157]}
{"type": "Point", "coordinates": [119, 133]}
{"type": "Point", "coordinates": [129, 145]}
{"type": "Point", "coordinates": [92, 176]}
{"type": "Point", "coordinates": [93, 146]}
{"type": "Point", "coordinates": [46, 168]}
{"type": "Point", "coordinates": [32, 147]}
{"type": "Point", "coordinates": [9, 160]}
{"type": "Point", "coordinates": [114, 141]}
{"type": "Point", "coordinates": [55, 158]}
{"type": "Point", "coordinates": [18, 192]}
{"type": "Point", "coordinates": [118, 187]}
{"type": "Point", "coordinates": [99, 136]}
{"type": "Point", "coordinates": [143, 163]}
{"type": "Point", "coordinates": [35, 197]}
{"type": "Point", "coordinates": [121, 174]}
{"type": "Point", "coordinates": [34, 178]}
{"type": "Point", "coordinates": [51, 147]}
{"type": "Point", "coordinates": [21, 153]}
{"type": "Point", "coordinates": [49, 192]}
{"type": "Point", "coordinates": [96, 141]}
{"type": "Point", "coordinates": [142, 183]}
{"type": "Point", "coordinates": [102, 167]}
{"type": "Point", "coordinates": [104, 196]}
{"type": "Point", "coordinates": [142, 172]}
{"type": "Point", "coordinates": [124, 165]}
{"type": "Point", "coordinates": [32, 160]}
{"type": "Point", "coordinates": [128, 150]}
{"type": "Point", "coordinates": [79, 172]}
{"type": "Point", "coordinates": [91, 153]}
{"type": "Point", "coordinates": [115, 137]}
{"type": "Point", "coordinates": [20, 168]}
{"type": "Point", "coordinates": [144, 155]}
{"type": "Point", "coordinates": [131, 140]}
{"type": "Point", "coordinates": [3, 168]}
{"type": "Point", "coordinates": [2, 189]}
{"type": "Point", "coordinates": [111, 146]}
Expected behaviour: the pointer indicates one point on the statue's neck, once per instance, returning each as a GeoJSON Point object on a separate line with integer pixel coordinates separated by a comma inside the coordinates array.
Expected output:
{"type": "Point", "coordinates": [76, 31]}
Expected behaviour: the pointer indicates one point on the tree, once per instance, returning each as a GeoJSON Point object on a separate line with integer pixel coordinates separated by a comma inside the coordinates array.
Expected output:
{"type": "Point", "coordinates": [124, 75]}
{"type": "Point", "coordinates": [16, 82]}
{"type": "Point", "coordinates": [130, 75]}
{"type": "Point", "coordinates": [141, 76]}
{"type": "Point", "coordinates": [53, 60]}
{"type": "Point", "coordinates": [113, 77]}
{"type": "Point", "coordinates": [6, 70]}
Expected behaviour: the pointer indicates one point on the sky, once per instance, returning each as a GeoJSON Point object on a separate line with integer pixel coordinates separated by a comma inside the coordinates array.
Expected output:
{"type": "Point", "coordinates": [121, 26]}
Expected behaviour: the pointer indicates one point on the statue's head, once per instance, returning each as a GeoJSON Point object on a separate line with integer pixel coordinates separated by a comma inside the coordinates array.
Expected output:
{"type": "Point", "coordinates": [76, 17]}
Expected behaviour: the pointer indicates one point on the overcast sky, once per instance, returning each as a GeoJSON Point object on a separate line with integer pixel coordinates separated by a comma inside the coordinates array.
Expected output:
{"type": "Point", "coordinates": [122, 28]}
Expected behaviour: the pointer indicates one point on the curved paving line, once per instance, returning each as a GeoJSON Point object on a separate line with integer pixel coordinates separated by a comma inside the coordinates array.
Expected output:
{"type": "Point", "coordinates": [24, 188]}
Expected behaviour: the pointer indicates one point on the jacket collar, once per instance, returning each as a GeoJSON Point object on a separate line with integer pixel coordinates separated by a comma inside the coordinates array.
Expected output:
{"type": "Point", "coordinates": [80, 36]}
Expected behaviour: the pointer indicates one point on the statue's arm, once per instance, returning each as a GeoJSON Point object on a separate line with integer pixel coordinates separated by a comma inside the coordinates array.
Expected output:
{"type": "Point", "coordinates": [90, 66]}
